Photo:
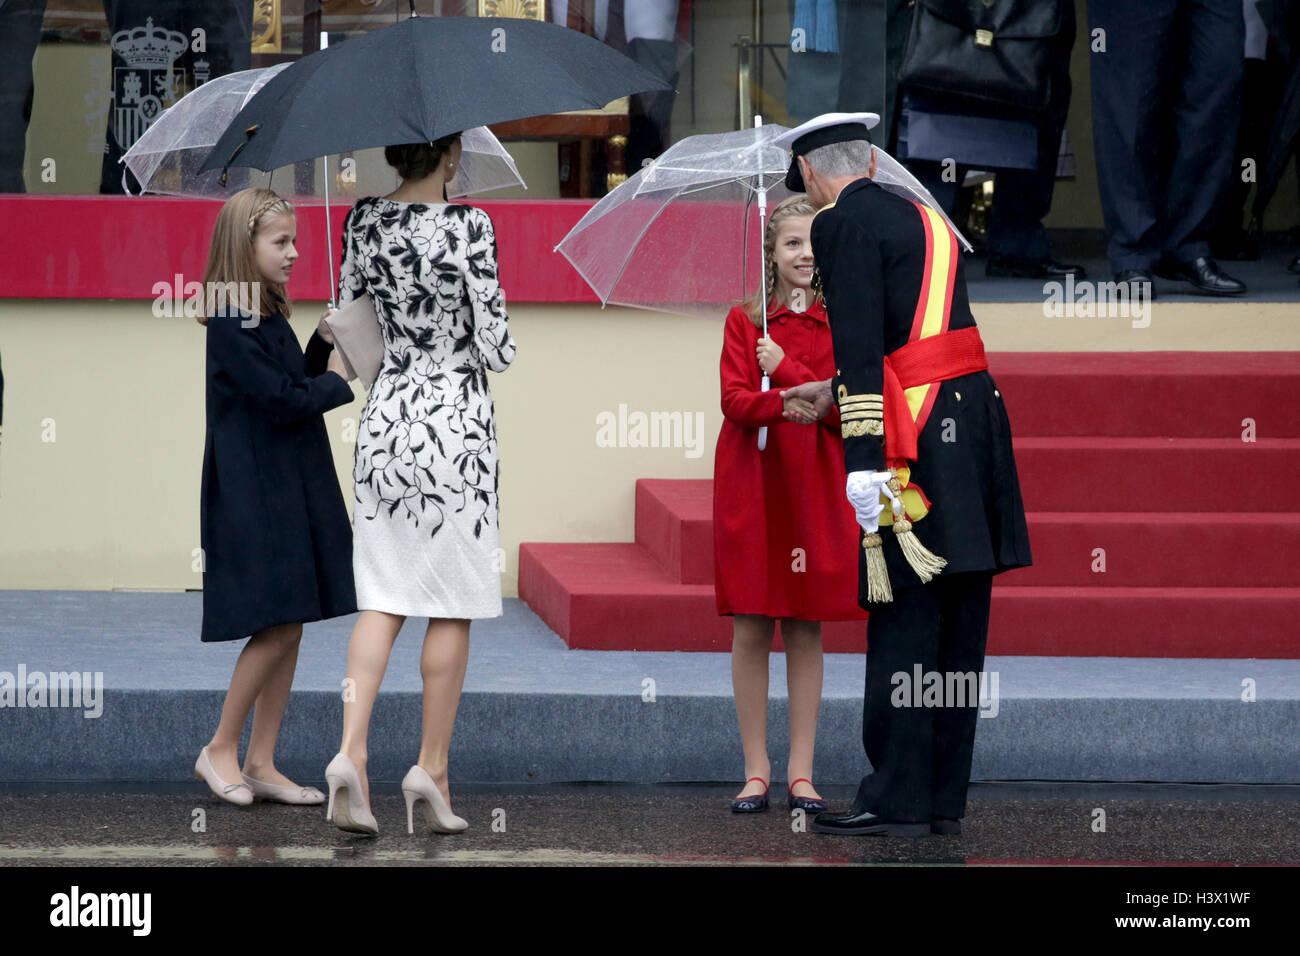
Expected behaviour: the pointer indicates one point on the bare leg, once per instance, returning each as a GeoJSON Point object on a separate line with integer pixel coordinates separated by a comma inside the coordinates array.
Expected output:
{"type": "Point", "coordinates": [259, 659]}
{"type": "Point", "coordinates": [751, 645]}
{"type": "Point", "coordinates": [803, 665]}
{"type": "Point", "coordinates": [368, 652]}
{"type": "Point", "coordinates": [259, 761]}
{"type": "Point", "coordinates": [443, 662]}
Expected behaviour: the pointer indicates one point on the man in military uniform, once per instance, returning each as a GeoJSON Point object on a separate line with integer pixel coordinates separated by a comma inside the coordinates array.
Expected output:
{"type": "Point", "coordinates": [927, 448]}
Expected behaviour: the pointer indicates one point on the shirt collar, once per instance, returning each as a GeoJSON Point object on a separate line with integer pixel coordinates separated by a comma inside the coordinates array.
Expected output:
{"type": "Point", "coordinates": [816, 311]}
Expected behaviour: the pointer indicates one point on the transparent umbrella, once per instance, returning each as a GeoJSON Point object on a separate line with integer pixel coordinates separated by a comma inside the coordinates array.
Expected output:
{"type": "Point", "coordinates": [684, 234]}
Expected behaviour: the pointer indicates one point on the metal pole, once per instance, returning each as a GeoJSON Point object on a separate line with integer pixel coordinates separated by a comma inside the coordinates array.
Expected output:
{"type": "Point", "coordinates": [329, 233]}
{"type": "Point", "coordinates": [762, 271]}
{"type": "Point", "coordinates": [742, 83]}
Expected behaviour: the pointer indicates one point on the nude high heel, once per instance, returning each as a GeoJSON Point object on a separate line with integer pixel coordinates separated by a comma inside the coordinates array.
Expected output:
{"type": "Point", "coordinates": [418, 786]}
{"type": "Point", "coordinates": [353, 812]}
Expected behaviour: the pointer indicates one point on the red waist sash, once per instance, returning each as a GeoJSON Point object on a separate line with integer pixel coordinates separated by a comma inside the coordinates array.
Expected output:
{"type": "Point", "coordinates": [927, 361]}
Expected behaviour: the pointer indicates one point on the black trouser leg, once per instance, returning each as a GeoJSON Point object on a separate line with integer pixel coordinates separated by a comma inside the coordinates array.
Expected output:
{"type": "Point", "coordinates": [1206, 115]}
{"type": "Point", "coordinates": [20, 32]}
{"type": "Point", "coordinates": [964, 628]}
{"type": "Point", "coordinates": [920, 751]}
{"type": "Point", "coordinates": [897, 736]}
{"type": "Point", "coordinates": [1130, 103]}
{"type": "Point", "coordinates": [1022, 198]}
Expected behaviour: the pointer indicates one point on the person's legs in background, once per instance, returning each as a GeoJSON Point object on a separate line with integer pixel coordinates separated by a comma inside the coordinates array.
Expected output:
{"type": "Point", "coordinates": [20, 32]}
{"type": "Point", "coordinates": [1130, 67]}
{"type": "Point", "coordinates": [1206, 111]}
{"type": "Point", "coordinates": [1262, 84]}
{"type": "Point", "coordinates": [1017, 240]}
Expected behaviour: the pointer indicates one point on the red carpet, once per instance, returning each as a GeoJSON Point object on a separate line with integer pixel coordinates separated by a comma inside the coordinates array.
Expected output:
{"type": "Point", "coordinates": [1157, 530]}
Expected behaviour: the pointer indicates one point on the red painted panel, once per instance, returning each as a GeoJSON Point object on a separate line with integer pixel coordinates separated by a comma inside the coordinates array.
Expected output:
{"type": "Point", "coordinates": [117, 247]}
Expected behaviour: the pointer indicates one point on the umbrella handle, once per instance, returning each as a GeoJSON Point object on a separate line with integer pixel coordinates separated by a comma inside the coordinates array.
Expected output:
{"type": "Point", "coordinates": [762, 432]}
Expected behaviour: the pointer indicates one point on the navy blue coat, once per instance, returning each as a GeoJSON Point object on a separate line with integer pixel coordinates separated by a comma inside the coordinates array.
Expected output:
{"type": "Point", "coordinates": [871, 251]}
{"type": "Point", "coordinates": [276, 538]}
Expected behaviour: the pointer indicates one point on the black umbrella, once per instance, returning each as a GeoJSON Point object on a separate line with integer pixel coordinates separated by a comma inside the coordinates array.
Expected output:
{"type": "Point", "coordinates": [420, 80]}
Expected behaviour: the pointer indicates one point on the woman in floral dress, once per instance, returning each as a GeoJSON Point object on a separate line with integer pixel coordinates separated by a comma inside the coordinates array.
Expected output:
{"type": "Point", "coordinates": [425, 535]}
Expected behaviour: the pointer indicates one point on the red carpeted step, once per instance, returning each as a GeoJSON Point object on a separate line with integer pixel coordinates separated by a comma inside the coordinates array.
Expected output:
{"type": "Point", "coordinates": [1199, 531]}
{"type": "Point", "coordinates": [616, 597]}
{"type": "Point", "coordinates": [1191, 394]}
{"type": "Point", "coordinates": [1146, 622]}
{"type": "Point", "coordinates": [674, 521]}
{"type": "Point", "coordinates": [1142, 549]}
{"type": "Point", "coordinates": [1173, 549]}
{"type": "Point", "coordinates": [1158, 474]}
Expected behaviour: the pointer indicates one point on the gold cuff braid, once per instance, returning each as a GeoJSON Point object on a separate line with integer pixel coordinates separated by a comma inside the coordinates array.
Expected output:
{"type": "Point", "coordinates": [859, 427]}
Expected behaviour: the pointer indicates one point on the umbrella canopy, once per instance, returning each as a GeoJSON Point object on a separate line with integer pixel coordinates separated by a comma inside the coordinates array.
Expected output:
{"type": "Point", "coordinates": [682, 235]}
{"type": "Point", "coordinates": [168, 158]}
{"type": "Point", "coordinates": [422, 79]}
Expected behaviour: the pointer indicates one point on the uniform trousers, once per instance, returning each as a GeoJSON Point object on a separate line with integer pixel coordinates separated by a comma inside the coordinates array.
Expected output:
{"type": "Point", "coordinates": [921, 755]}
{"type": "Point", "coordinates": [1166, 101]}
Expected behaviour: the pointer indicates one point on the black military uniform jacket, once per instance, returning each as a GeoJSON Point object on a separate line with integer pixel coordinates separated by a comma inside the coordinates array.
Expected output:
{"type": "Point", "coordinates": [875, 252]}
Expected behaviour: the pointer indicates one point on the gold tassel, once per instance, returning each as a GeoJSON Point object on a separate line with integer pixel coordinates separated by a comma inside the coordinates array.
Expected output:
{"type": "Point", "coordinates": [878, 589]}
{"type": "Point", "coordinates": [924, 562]}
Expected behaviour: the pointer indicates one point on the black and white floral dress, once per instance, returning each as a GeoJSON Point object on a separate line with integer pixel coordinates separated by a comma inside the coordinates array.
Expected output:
{"type": "Point", "coordinates": [425, 535]}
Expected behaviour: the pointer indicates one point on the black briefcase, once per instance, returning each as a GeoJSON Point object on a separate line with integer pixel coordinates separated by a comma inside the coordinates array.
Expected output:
{"type": "Point", "coordinates": [985, 51]}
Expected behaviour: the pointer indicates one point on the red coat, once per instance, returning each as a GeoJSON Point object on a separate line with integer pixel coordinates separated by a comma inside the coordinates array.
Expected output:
{"type": "Point", "coordinates": [789, 496]}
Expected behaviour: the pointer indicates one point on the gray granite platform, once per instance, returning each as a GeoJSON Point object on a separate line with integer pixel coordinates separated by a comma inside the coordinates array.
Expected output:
{"type": "Point", "coordinates": [535, 711]}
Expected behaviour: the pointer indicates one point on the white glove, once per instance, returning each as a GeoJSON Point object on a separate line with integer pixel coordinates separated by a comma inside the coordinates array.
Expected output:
{"type": "Point", "coordinates": [863, 491]}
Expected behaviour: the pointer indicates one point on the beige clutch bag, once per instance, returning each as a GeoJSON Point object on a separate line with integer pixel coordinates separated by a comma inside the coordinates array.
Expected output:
{"type": "Point", "coordinates": [357, 338]}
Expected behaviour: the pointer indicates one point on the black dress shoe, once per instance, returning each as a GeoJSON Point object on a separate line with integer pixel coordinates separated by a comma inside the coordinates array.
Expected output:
{"type": "Point", "coordinates": [865, 823]}
{"type": "Point", "coordinates": [944, 827]}
{"type": "Point", "coordinates": [1135, 277]}
{"type": "Point", "coordinates": [1204, 274]}
{"type": "Point", "coordinates": [1005, 267]}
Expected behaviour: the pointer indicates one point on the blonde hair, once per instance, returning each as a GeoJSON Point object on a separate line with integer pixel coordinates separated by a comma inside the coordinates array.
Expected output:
{"type": "Point", "coordinates": [788, 208]}
{"type": "Point", "coordinates": [230, 256]}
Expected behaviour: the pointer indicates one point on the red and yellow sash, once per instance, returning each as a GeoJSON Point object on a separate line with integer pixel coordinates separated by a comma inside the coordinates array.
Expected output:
{"type": "Point", "coordinates": [932, 355]}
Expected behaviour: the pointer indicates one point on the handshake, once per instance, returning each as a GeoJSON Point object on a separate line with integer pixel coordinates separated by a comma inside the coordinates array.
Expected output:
{"type": "Point", "coordinates": [806, 403]}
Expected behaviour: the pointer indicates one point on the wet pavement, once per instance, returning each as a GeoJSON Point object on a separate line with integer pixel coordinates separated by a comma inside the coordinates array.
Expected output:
{"type": "Point", "coordinates": [603, 824]}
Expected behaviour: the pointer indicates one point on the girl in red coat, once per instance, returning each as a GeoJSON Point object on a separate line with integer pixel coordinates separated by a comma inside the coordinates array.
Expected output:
{"type": "Point", "coordinates": [785, 539]}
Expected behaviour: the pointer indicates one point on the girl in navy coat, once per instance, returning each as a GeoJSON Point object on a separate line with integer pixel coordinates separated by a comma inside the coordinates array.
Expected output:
{"type": "Point", "coordinates": [277, 542]}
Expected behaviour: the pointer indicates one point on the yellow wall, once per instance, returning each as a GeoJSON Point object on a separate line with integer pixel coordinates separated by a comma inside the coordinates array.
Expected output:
{"type": "Point", "coordinates": [113, 500]}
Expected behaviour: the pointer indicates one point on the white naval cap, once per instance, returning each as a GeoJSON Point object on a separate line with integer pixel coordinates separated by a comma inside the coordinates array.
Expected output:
{"type": "Point", "coordinates": [822, 131]}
